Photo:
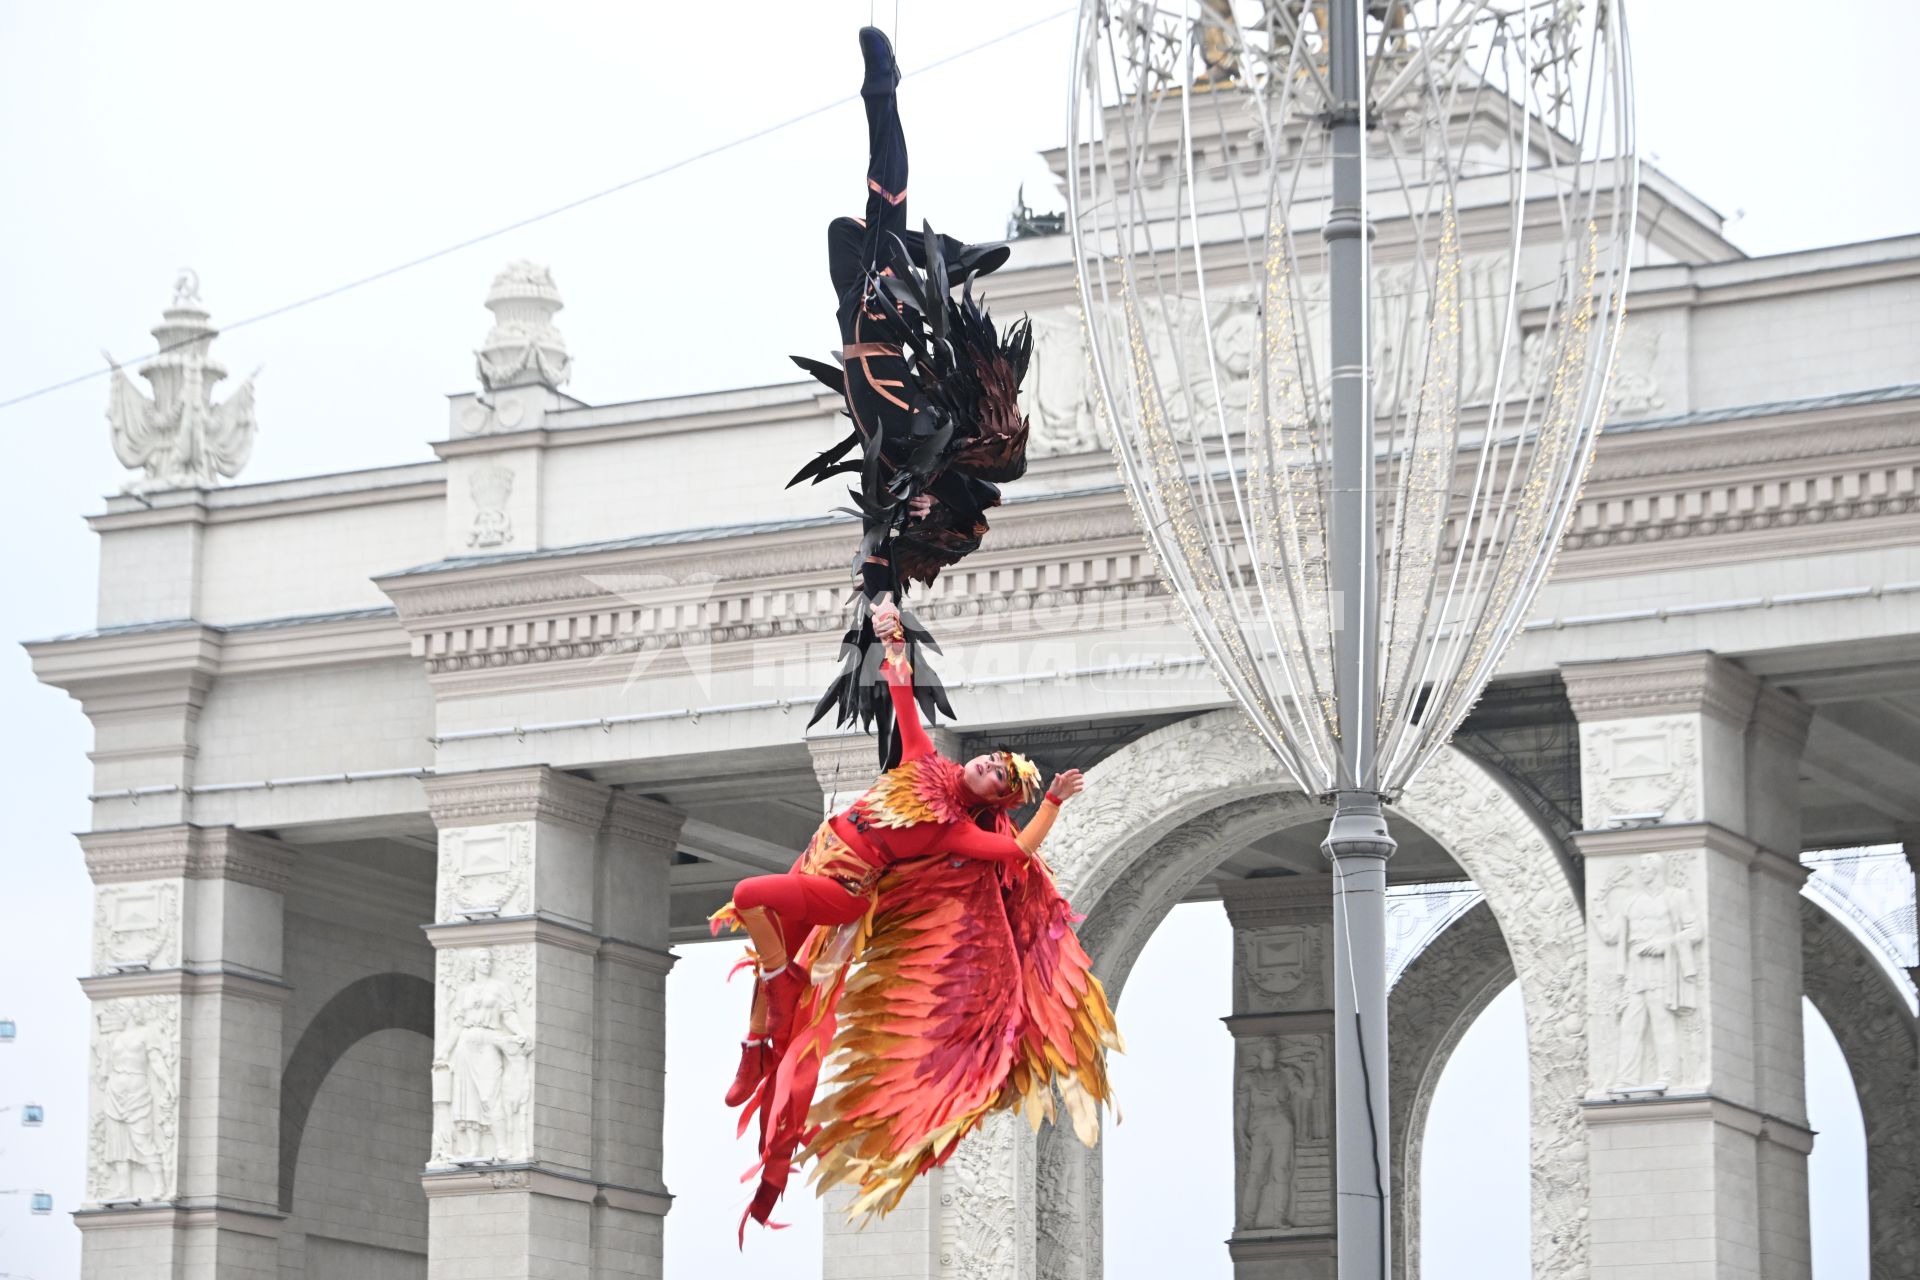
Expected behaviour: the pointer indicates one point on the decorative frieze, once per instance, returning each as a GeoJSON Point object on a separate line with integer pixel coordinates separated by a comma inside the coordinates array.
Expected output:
{"type": "Point", "coordinates": [189, 852]}
{"type": "Point", "coordinates": [1696, 683]}
{"type": "Point", "coordinates": [793, 590]}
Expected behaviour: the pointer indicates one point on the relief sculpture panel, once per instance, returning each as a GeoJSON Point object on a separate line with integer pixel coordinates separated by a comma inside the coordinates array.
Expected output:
{"type": "Point", "coordinates": [1649, 969]}
{"type": "Point", "coordinates": [483, 1059]}
{"type": "Point", "coordinates": [486, 870]}
{"type": "Point", "coordinates": [1281, 1134]}
{"type": "Point", "coordinates": [133, 1136]}
{"type": "Point", "coordinates": [136, 926]}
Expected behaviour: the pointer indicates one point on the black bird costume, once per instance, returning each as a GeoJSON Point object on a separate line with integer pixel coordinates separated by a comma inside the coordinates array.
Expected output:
{"type": "Point", "coordinates": [932, 390]}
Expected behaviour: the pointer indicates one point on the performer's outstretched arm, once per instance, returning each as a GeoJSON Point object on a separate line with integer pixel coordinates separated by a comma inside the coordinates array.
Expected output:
{"type": "Point", "coordinates": [914, 742]}
{"type": "Point", "coordinates": [1065, 786]}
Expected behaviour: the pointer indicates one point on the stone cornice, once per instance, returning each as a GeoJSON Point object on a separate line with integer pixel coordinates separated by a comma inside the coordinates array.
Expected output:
{"type": "Point", "coordinates": [187, 982]}
{"type": "Point", "coordinates": [1680, 836]}
{"type": "Point", "coordinates": [226, 511]}
{"type": "Point", "coordinates": [561, 620]}
{"type": "Point", "coordinates": [1805, 479]}
{"type": "Point", "coordinates": [1259, 1246]}
{"type": "Point", "coordinates": [816, 551]}
{"type": "Point", "coordinates": [1663, 838]}
{"type": "Point", "coordinates": [259, 1222]}
{"type": "Point", "coordinates": [510, 931]}
{"type": "Point", "coordinates": [1696, 683]}
{"type": "Point", "coordinates": [1879, 429]}
{"type": "Point", "coordinates": [195, 853]}
{"type": "Point", "coordinates": [636, 956]}
{"type": "Point", "coordinates": [495, 1179]}
{"type": "Point", "coordinates": [534, 793]}
{"type": "Point", "coordinates": [1245, 1025]}
{"type": "Point", "coordinates": [1670, 1109]}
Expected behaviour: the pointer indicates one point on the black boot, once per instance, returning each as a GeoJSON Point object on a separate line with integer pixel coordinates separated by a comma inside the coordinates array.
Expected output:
{"type": "Point", "coordinates": [883, 73]}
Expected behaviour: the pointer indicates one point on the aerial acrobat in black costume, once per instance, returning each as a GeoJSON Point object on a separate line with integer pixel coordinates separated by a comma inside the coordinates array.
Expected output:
{"type": "Point", "coordinates": [932, 390]}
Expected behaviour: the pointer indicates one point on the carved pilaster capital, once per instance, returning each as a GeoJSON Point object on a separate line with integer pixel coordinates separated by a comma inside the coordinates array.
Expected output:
{"type": "Point", "coordinates": [639, 820]}
{"type": "Point", "coordinates": [226, 853]}
{"type": "Point", "coordinates": [1697, 683]}
{"type": "Point", "coordinates": [535, 793]}
{"type": "Point", "coordinates": [1779, 715]}
{"type": "Point", "coordinates": [1274, 900]}
{"type": "Point", "coordinates": [186, 851]}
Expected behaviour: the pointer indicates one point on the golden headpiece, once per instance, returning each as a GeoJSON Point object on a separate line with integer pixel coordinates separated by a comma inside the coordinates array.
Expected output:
{"type": "Point", "coordinates": [1023, 778]}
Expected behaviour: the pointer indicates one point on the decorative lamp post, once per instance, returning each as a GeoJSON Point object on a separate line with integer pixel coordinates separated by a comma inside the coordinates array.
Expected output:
{"type": "Point", "coordinates": [1353, 273]}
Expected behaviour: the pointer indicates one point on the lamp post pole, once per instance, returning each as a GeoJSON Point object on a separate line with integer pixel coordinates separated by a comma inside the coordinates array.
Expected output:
{"type": "Point", "coordinates": [1357, 842]}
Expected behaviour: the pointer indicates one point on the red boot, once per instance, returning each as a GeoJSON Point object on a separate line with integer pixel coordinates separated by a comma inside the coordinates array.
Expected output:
{"type": "Point", "coordinates": [753, 1068]}
{"type": "Point", "coordinates": [783, 998]}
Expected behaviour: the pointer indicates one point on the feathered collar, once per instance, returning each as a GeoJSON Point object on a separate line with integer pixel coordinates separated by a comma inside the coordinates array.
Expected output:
{"type": "Point", "coordinates": [930, 789]}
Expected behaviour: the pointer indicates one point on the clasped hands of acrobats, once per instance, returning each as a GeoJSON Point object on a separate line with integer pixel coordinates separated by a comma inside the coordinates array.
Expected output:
{"type": "Point", "coordinates": [917, 969]}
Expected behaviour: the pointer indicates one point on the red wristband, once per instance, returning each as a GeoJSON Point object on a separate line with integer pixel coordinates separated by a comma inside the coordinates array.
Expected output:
{"type": "Point", "coordinates": [1054, 799]}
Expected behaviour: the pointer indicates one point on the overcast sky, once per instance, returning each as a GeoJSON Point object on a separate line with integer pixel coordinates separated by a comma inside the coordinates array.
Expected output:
{"type": "Point", "coordinates": [281, 151]}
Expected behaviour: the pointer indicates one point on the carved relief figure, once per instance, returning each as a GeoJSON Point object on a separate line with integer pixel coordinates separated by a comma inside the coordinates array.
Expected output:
{"type": "Point", "coordinates": [488, 1073]}
{"type": "Point", "coordinates": [1652, 933]}
{"type": "Point", "coordinates": [1277, 1113]}
{"type": "Point", "coordinates": [1059, 391]}
{"type": "Point", "coordinates": [134, 1105]}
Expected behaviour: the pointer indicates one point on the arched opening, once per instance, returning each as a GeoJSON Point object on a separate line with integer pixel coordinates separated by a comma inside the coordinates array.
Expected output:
{"type": "Point", "coordinates": [1473, 1177]}
{"type": "Point", "coordinates": [701, 1159]}
{"type": "Point", "coordinates": [1189, 795]}
{"type": "Point", "coordinates": [356, 1120]}
{"type": "Point", "coordinates": [1837, 1167]}
{"type": "Point", "coordinates": [1169, 1163]}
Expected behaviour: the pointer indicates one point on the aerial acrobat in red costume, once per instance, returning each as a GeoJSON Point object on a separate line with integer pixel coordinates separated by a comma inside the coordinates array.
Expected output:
{"type": "Point", "coordinates": [920, 939]}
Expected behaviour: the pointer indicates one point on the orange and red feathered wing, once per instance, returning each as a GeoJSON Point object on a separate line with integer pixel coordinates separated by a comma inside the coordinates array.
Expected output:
{"type": "Point", "coordinates": [970, 998]}
{"type": "Point", "coordinates": [1067, 1026]}
{"type": "Point", "coordinates": [929, 1024]}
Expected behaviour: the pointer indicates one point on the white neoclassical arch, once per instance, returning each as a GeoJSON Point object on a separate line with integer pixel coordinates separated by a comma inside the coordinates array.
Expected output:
{"type": "Point", "coordinates": [1165, 811]}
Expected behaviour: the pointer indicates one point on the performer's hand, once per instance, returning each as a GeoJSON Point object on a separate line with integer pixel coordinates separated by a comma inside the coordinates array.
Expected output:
{"type": "Point", "coordinates": [1067, 785]}
{"type": "Point", "coordinates": [919, 505]}
{"type": "Point", "coordinates": [886, 623]}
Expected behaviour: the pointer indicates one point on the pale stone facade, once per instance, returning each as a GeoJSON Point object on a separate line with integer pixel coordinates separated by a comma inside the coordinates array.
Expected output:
{"type": "Point", "coordinates": [406, 780]}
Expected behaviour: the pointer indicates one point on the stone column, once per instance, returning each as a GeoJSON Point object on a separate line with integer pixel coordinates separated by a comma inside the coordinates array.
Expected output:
{"type": "Point", "coordinates": [549, 1039]}
{"type": "Point", "coordinates": [1696, 1104]}
{"type": "Point", "coordinates": [183, 1140]}
{"type": "Point", "coordinates": [1282, 1025]}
